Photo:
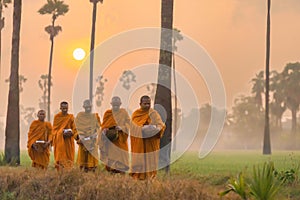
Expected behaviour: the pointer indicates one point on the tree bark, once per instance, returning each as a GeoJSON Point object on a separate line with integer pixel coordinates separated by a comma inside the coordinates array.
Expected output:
{"type": "Point", "coordinates": [163, 92]}
{"type": "Point", "coordinates": [267, 142]}
{"type": "Point", "coordinates": [12, 130]}
{"type": "Point", "coordinates": [92, 50]}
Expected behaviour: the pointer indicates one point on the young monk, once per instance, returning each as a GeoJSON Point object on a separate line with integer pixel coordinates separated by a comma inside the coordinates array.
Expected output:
{"type": "Point", "coordinates": [88, 125]}
{"type": "Point", "coordinates": [64, 133]}
{"type": "Point", "coordinates": [114, 152]}
{"type": "Point", "coordinates": [39, 140]}
{"type": "Point", "coordinates": [146, 130]}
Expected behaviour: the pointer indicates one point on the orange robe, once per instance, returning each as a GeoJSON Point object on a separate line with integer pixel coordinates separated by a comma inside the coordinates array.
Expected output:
{"type": "Point", "coordinates": [115, 154]}
{"type": "Point", "coordinates": [39, 131]}
{"type": "Point", "coordinates": [145, 151]}
{"type": "Point", "coordinates": [64, 148]}
{"type": "Point", "coordinates": [87, 124]}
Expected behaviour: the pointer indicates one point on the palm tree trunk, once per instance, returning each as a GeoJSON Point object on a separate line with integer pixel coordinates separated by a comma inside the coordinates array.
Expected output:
{"type": "Point", "coordinates": [267, 142]}
{"type": "Point", "coordinates": [12, 130]}
{"type": "Point", "coordinates": [163, 92]}
{"type": "Point", "coordinates": [49, 79]}
{"type": "Point", "coordinates": [92, 50]}
{"type": "Point", "coordinates": [176, 103]}
{"type": "Point", "coordinates": [1, 27]}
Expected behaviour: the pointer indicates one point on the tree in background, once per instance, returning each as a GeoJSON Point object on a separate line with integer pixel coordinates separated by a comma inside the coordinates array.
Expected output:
{"type": "Point", "coordinates": [43, 85]}
{"type": "Point", "coordinates": [127, 78]}
{"type": "Point", "coordinates": [12, 130]}
{"type": "Point", "coordinates": [277, 105]}
{"type": "Point", "coordinates": [55, 8]}
{"type": "Point", "coordinates": [246, 119]}
{"type": "Point", "coordinates": [258, 88]}
{"type": "Point", "coordinates": [99, 94]}
{"type": "Point", "coordinates": [291, 84]}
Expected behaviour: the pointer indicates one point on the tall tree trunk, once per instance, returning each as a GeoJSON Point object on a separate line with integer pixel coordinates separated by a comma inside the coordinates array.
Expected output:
{"type": "Point", "coordinates": [1, 27]}
{"type": "Point", "coordinates": [267, 142]}
{"type": "Point", "coordinates": [294, 120]}
{"type": "Point", "coordinates": [92, 50]}
{"type": "Point", "coordinates": [176, 102]}
{"type": "Point", "coordinates": [49, 78]}
{"type": "Point", "coordinates": [163, 92]}
{"type": "Point", "coordinates": [12, 130]}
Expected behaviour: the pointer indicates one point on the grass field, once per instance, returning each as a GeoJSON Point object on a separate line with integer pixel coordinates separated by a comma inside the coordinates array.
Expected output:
{"type": "Point", "coordinates": [190, 178]}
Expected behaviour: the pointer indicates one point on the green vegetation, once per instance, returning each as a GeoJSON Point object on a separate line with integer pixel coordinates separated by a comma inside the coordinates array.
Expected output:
{"type": "Point", "coordinates": [190, 178]}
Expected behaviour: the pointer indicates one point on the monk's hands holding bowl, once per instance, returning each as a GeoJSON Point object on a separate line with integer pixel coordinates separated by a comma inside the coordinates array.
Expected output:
{"type": "Point", "coordinates": [46, 144]}
{"type": "Point", "coordinates": [67, 133]}
{"type": "Point", "coordinates": [34, 146]}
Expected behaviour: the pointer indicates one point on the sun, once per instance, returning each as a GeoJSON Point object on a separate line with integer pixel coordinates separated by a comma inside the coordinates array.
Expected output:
{"type": "Point", "coordinates": [78, 54]}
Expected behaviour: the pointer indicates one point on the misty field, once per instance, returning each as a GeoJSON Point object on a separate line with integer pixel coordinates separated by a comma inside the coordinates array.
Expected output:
{"type": "Point", "coordinates": [190, 178]}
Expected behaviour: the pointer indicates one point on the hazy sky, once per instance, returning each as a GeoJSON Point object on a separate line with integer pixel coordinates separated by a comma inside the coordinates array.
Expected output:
{"type": "Point", "coordinates": [231, 31]}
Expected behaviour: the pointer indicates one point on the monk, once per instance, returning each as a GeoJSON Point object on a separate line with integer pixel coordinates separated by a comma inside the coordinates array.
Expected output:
{"type": "Point", "coordinates": [114, 151]}
{"type": "Point", "coordinates": [64, 133]}
{"type": "Point", "coordinates": [87, 125]}
{"type": "Point", "coordinates": [146, 130]}
{"type": "Point", "coordinates": [39, 140]}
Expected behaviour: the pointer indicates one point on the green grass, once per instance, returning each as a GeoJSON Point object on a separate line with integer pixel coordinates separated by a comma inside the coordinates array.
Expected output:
{"type": "Point", "coordinates": [228, 162]}
{"type": "Point", "coordinates": [221, 163]}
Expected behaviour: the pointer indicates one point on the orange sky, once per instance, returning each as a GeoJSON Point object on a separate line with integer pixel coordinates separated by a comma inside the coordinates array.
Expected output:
{"type": "Point", "coordinates": [231, 31]}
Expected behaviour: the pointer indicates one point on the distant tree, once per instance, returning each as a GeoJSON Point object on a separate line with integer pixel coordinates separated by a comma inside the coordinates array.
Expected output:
{"type": "Point", "coordinates": [12, 130]}
{"type": "Point", "coordinates": [266, 140]}
{"type": "Point", "coordinates": [99, 94]}
{"type": "Point", "coordinates": [258, 88]}
{"type": "Point", "coordinates": [55, 8]}
{"type": "Point", "coordinates": [43, 85]}
{"type": "Point", "coordinates": [127, 78]}
{"type": "Point", "coordinates": [28, 114]}
{"type": "Point", "coordinates": [291, 83]}
{"type": "Point", "coordinates": [246, 117]}
{"type": "Point", "coordinates": [3, 4]}
{"type": "Point", "coordinates": [278, 105]}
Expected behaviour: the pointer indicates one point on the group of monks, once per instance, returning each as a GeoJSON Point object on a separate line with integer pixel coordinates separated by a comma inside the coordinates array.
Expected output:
{"type": "Point", "coordinates": [109, 137]}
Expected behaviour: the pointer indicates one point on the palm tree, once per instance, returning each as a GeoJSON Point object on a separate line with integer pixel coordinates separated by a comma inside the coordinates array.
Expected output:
{"type": "Point", "coordinates": [12, 130]}
{"type": "Point", "coordinates": [3, 4]}
{"type": "Point", "coordinates": [267, 142]}
{"type": "Point", "coordinates": [55, 8]}
{"type": "Point", "coordinates": [258, 88]}
{"type": "Point", "coordinates": [94, 2]}
{"type": "Point", "coordinates": [278, 105]}
{"type": "Point", "coordinates": [163, 92]}
{"type": "Point", "coordinates": [291, 76]}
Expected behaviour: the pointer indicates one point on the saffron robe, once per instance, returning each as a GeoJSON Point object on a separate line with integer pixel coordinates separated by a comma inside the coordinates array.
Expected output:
{"type": "Point", "coordinates": [64, 148]}
{"type": "Point", "coordinates": [145, 151]}
{"type": "Point", "coordinates": [39, 130]}
{"type": "Point", "coordinates": [114, 154]}
{"type": "Point", "coordinates": [87, 124]}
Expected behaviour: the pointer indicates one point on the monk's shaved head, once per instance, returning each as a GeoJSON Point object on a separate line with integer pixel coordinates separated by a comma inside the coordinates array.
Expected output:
{"type": "Point", "coordinates": [145, 97]}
